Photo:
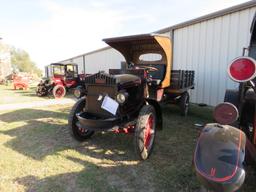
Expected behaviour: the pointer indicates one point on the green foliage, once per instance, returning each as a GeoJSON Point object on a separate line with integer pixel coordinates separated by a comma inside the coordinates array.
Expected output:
{"type": "Point", "coordinates": [20, 59]}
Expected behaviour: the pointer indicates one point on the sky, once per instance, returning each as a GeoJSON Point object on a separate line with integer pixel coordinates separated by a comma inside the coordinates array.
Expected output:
{"type": "Point", "coordinates": [55, 30]}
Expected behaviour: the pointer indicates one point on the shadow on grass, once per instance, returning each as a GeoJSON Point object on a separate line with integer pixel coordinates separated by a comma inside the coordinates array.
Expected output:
{"type": "Point", "coordinates": [107, 159]}
{"type": "Point", "coordinates": [169, 166]}
{"type": "Point", "coordinates": [92, 178]}
{"type": "Point", "coordinates": [30, 114]}
{"type": "Point", "coordinates": [44, 133]}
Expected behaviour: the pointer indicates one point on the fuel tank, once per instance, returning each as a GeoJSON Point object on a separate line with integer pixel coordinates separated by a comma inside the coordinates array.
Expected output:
{"type": "Point", "coordinates": [219, 157]}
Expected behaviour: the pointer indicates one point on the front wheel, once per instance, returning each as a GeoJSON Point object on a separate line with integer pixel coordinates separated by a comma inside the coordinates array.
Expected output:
{"type": "Point", "coordinates": [145, 132]}
{"type": "Point", "coordinates": [59, 91]}
{"type": "Point", "coordinates": [77, 132]}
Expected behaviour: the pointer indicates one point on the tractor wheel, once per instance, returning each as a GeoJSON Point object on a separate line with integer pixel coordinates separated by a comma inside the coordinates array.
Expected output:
{"type": "Point", "coordinates": [59, 91]}
{"type": "Point", "coordinates": [78, 133]}
{"type": "Point", "coordinates": [184, 104]}
{"type": "Point", "coordinates": [41, 91]}
{"type": "Point", "coordinates": [145, 132]}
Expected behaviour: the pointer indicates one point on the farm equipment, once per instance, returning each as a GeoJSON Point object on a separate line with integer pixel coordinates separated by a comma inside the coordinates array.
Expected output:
{"type": "Point", "coordinates": [59, 79]}
{"type": "Point", "coordinates": [225, 147]}
{"type": "Point", "coordinates": [128, 100]}
{"type": "Point", "coordinates": [20, 81]}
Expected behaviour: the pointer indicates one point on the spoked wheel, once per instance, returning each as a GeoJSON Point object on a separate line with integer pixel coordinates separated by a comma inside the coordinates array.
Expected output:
{"type": "Point", "coordinates": [184, 104]}
{"type": "Point", "coordinates": [77, 132]}
{"type": "Point", "coordinates": [59, 91]}
{"type": "Point", "coordinates": [145, 132]}
{"type": "Point", "coordinates": [41, 91]}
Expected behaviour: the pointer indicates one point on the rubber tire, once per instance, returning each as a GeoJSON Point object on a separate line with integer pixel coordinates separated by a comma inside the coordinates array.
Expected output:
{"type": "Point", "coordinates": [39, 92]}
{"type": "Point", "coordinates": [140, 150]}
{"type": "Point", "coordinates": [56, 87]}
{"type": "Point", "coordinates": [184, 103]}
{"type": "Point", "coordinates": [72, 120]}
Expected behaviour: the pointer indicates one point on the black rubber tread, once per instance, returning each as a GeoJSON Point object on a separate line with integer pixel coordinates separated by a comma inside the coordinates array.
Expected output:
{"type": "Point", "coordinates": [39, 93]}
{"type": "Point", "coordinates": [140, 149]}
{"type": "Point", "coordinates": [72, 119]}
{"type": "Point", "coordinates": [184, 99]}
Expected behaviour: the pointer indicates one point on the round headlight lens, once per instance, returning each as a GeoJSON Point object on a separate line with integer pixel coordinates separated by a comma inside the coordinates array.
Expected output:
{"type": "Point", "coordinates": [121, 98]}
{"type": "Point", "coordinates": [77, 93]}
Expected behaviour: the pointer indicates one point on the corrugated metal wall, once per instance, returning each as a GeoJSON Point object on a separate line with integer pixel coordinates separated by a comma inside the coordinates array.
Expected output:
{"type": "Point", "coordinates": [103, 61]}
{"type": "Point", "coordinates": [98, 61]}
{"type": "Point", "coordinates": [79, 61]}
{"type": "Point", "coordinates": [207, 48]}
{"type": "Point", "coordinates": [5, 60]}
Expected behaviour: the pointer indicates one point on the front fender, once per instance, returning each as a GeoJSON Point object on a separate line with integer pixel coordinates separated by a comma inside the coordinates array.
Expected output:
{"type": "Point", "coordinates": [219, 157]}
{"type": "Point", "coordinates": [158, 109]}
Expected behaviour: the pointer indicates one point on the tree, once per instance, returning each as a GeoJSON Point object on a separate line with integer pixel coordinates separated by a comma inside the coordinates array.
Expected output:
{"type": "Point", "coordinates": [20, 59]}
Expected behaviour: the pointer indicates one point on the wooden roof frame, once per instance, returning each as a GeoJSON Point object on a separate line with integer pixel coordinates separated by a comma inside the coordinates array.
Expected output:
{"type": "Point", "coordinates": [131, 47]}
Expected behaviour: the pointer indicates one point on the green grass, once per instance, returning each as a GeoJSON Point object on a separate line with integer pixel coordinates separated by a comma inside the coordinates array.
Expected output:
{"type": "Point", "coordinates": [38, 154]}
{"type": "Point", "coordinates": [8, 95]}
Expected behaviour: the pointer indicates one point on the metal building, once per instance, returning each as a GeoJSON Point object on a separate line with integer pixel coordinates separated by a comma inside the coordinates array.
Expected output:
{"type": "Point", "coordinates": [206, 45]}
{"type": "Point", "coordinates": [5, 60]}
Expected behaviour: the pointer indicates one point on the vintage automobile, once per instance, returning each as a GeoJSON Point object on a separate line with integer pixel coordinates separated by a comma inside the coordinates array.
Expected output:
{"type": "Point", "coordinates": [222, 150]}
{"type": "Point", "coordinates": [59, 79]}
{"type": "Point", "coordinates": [127, 100]}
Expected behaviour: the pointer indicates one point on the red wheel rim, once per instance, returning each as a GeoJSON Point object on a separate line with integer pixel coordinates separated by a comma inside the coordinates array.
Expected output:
{"type": "Point", "coordinates": [59, 92]}
{"type": "Point", "coordinates": [148, 133]}
{"type": "Point", "coordinates": [82, 131]}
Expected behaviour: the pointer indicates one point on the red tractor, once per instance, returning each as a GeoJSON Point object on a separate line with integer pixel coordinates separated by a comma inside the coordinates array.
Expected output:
{"type": "Point", "coordinates": [20, 82]}
{"type": "Point", "coordinates": [59, 79]}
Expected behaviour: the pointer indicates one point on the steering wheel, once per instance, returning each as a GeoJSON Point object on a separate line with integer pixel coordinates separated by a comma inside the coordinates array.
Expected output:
{"type": "Point", "coordinates": [149, 68]}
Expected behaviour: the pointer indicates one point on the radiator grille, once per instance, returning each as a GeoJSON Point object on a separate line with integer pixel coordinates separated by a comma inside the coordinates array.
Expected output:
{"type": "Point", "coordinates": [92, 103]}
{"type": "Point", "coordinates": [100, 78]}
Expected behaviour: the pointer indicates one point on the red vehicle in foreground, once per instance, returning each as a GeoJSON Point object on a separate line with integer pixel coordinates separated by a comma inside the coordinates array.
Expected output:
{"type": "Point", "coordinates": [225, 147]}
{"type": "Point", "coordinates": [59, 79]}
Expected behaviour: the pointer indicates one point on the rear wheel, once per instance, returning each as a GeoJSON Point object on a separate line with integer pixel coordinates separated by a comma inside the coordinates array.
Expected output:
{"type": "Point", "coordinates": [41, 91]}
{"type": "Point", "coordinates": [77, 132]}
{"type": "Point", "coordinates": [145, 132]}
{"type": "Point", "coordinates": [59, 91]}
{"type": "Point", "coordinates": [184, 104]}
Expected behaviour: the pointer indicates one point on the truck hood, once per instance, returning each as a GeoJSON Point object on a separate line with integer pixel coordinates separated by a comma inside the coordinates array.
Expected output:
{"type": "Point", "coordinates": [121, 80]}
{"type": "Point", "coordinates": [127, 79]}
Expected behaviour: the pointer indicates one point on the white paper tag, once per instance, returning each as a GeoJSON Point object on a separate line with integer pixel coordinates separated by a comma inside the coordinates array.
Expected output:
{"type": "Point", "coordinates": [109, 105]}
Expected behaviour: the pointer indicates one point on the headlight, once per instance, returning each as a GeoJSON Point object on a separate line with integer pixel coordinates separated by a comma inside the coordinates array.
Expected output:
{"type": "Point", "coordinates": [121, 97]}
{"type": "Point", "coordinates": [77, 93]}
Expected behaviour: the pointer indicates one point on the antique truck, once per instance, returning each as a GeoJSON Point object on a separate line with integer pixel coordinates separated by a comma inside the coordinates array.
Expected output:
{"type": "Point", "coordinates": [225, 147]}
{"type": "Point", "coordinates": [128, 100]}
{"type": "Point", "coordinates": [59, 79]}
